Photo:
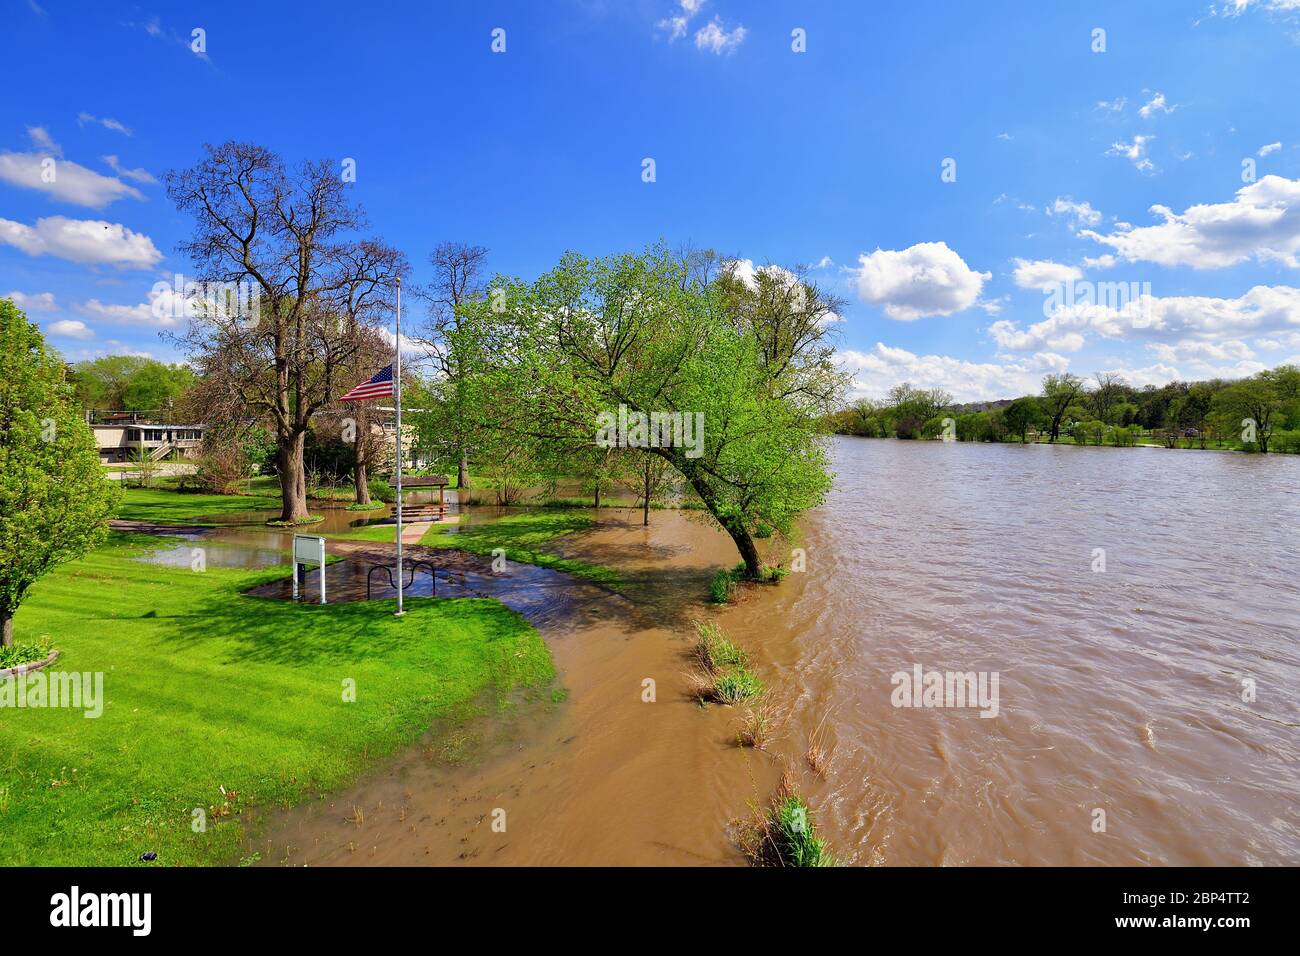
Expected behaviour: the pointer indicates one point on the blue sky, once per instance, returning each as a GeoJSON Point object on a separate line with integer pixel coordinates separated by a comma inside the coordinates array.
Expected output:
{"type": "Point", "coordinates": [1167, 165]}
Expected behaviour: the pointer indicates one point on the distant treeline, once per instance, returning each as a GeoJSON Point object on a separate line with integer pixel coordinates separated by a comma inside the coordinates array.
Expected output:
{"type": "Point", "coordinates": [1260, 413]}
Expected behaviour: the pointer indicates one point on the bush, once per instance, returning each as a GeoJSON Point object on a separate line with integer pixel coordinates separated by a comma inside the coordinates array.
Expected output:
{"type": "Point", "coordinates": [381, 490]}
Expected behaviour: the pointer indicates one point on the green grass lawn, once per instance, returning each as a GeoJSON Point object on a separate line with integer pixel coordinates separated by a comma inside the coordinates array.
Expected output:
{"type": "Point", "coordinates": [206, 689]}
{"type": "Point", "coordinates": [523, 537]}
{"type": "Point", "coordinates": [167, 506]}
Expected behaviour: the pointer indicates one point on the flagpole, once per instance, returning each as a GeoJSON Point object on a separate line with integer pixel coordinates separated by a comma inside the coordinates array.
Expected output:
{"type": "Point", "coordinates": [397, 391]}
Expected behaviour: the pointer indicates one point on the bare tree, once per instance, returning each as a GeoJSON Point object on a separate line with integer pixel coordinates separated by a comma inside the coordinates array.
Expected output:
{"type": "Point", "coordinates": [1110, 389]}
{"type": "Point", "coordinates": [458, 277]}
{"type": "Point", "coordinates": [294, 237]}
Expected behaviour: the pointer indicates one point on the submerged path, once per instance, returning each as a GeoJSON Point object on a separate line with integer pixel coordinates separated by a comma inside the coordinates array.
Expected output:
{"type": "Point", "coordinates": [624, 769]}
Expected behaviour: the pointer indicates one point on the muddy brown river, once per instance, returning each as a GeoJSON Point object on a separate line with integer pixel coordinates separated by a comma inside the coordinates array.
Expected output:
{"type": "Point", "coordinates": [1140, 609]}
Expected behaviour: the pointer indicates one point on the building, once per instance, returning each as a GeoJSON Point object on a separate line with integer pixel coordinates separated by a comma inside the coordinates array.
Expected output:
{"type": "Point", "coordinates": [121, 436]}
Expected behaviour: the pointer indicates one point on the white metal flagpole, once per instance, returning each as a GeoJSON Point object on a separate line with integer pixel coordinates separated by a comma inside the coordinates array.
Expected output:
{"type": "Point", "coordinates": [397, 392]}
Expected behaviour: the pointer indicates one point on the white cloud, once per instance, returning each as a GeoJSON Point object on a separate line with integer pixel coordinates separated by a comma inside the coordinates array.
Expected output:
{"type": "Point", "coordinates": [715, 38]}
{"type": "Point", "coordinates": [139, 175]}
{"type": "Point", "coordinates": [675, 26]}
{"type": "Point", "coordinates": [107, 122]}
{"type": "Point", "coordinates": [1270, 148]}
{"type": "Point", "coordinates": [45, 170]}
{"type": "Point", "coordinates": [925, 279]}
{"type": "Point", "coordinates": [71, 329]}
{"type": "Point", "coordinates": [1290, 340]}
{"type": "Point", "coordinates": [33, 302]}
{"type": "Point", "coordinates": [1104, 261]}
{"type": "Point", "coordinates": [1157, 104]}
{"type": "Point", "coordinates": [63, 180]}
{"type": "Point", "coordinates": [1174, 321]}
{"type": "Point", "coordinates": [1262, 223]}
{"type": "Point", "coordinates": [881, 368]}
{"type": "Point", "coordinates": [1134, 152]}
{"type": "Point", "coordinates": [1197, 351]}
{"type": "Point", "coordinates": [88, 241]}
{"type": "Point", "coordinates": [1081, 213]}
{"type": "Point", "coordinates": [42, 140]}
{"type": "Point", "coordinates": [1113, 106]}
{"type": "Point", "coordinates": [1044, 272]}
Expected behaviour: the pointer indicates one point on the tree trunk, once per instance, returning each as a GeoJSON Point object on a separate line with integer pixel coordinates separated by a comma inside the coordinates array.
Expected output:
{"type": "Point", "coordinates": [734, 526]}
{"type": "Point", "coordinates": [597, 493]}
{"type": "Point", "coordinates": [645, 508]}
{"type": "Point", "coordinates": [360, 471]}
{"type": "Point", "coordinates": [6, 627]}
{"type": "Point", "coordinates": [462, 470]}
{"type": "Point", "coordinates": [361, 483]}
{"type": "Point", "coordinates": [293, 477]}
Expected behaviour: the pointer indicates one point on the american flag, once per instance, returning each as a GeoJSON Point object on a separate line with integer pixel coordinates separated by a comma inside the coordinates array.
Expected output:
{"type": "Point", "coordinates": [381, 383]}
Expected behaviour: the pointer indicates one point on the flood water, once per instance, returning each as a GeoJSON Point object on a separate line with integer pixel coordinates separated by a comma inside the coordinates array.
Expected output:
{"type": "Point", "coordinates": [1120, 685]}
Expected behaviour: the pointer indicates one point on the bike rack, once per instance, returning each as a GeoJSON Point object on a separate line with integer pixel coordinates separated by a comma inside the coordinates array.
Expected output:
{"type": "Point", "coordinates": [414, 566]}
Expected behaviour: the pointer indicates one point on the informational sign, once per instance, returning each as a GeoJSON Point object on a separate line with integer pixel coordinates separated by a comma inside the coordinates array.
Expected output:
{"type": "Point", "coordinates": [309, 551]}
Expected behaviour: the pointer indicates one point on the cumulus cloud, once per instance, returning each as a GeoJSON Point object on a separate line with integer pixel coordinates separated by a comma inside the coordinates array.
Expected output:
{"type": "Point", "coordinates": [1269, 148]}
{"type": "Point", "coordinates": [876, 371]}
{"type": "Point", "coordinates": [1192, 326]}
{"type": "Point", "coordinates": [923, 280]}
{"type": "Point", "coordinates": [87, 241]}
{"type": "Point", "coordinates": [71, 329]}
{"type": "Point", "coordinates": [1039, 273]}
{"type": "Point", "coordinates": [1262, 223]}
{"type": "Point", "coordinates": [33, 302]}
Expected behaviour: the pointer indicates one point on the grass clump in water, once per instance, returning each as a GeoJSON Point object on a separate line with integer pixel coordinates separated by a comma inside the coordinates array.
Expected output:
{"type": "Point", "coordinates": [785, 835]}
{"type": "Point", "coordinates": [723, 675]}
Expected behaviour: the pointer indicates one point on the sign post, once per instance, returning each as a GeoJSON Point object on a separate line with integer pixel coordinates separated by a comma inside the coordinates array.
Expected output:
{"type": "Point", "coordinates": [309, 550]}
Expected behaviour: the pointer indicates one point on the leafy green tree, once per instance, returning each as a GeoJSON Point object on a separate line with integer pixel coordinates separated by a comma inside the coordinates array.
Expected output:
{"type": "Point", "coordinates": [1059, 394]}
{"type": "Point", "coordinates": [1252, 402]}
{"type": "Point", "coordinates": [54, 498]}
{"type": "Point", "coordinates": [1021, 415]}
{"type": "Point", "coordinates": [131, 383]}
{"type": "Point", "coordinates": [743, 362]}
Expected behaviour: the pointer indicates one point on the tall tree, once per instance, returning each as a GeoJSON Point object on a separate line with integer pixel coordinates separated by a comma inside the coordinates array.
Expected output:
{"type": "Point", "coordinates": [629, 336]}
{"type": "Point", "coordinates": [1059, 393]}
{"type": "Point", "coordinates": [296, 237]}
{"type": "Point", "coordinates": [1108, 394]}
{"type": "Point", "coordinates": [458, 278]}
{"type": "Point", "coordinates": [54, 498]}
{"type": "Point", "coordinates": [1021, 414]}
